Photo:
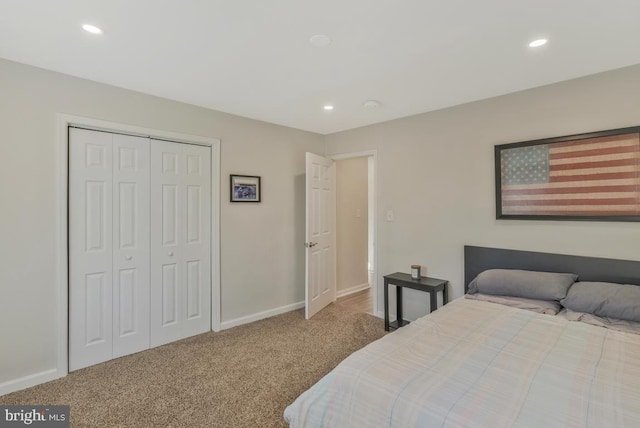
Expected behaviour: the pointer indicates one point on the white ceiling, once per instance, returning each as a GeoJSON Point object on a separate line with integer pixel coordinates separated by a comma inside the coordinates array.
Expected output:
{"type": "Point", "coordinates": [253, 57]}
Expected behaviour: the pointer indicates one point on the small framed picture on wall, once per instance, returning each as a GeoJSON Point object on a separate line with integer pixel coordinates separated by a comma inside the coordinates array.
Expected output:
{"type": "Point", "coordinates": [245, 188]}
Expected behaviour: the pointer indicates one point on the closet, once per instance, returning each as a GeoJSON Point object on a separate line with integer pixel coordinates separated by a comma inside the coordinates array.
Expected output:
{"type": "Point", "coordinates": [139, 244]}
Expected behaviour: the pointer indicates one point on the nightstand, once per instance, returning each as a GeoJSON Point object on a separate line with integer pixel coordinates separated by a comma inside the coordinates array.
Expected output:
{"type": "Point", "coordinates": [402, 280]}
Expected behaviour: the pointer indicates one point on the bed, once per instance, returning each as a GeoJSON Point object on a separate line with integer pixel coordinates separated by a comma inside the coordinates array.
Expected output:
{"type": "Point", "coordinates": [476, 363]}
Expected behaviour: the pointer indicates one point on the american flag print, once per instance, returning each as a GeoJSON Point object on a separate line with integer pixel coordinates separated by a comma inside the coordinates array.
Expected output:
{"type": "Point", "coordinates": [586, 177]}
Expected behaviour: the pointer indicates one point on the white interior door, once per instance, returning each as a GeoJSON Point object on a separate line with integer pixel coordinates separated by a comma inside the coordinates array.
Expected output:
{"type": "Point", "coordinates": [90, 247]}
{"type": "Point", "coordinates": [180, 241]}
{"type": "Point", "coordinates": [130, 244]}
{"type": "Point", "coordinates": [320, 277]}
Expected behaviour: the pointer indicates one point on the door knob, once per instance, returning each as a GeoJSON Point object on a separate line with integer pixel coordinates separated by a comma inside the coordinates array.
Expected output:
{"type": "Point", "coordinates": [128, 257]}
{"type": "Point", "coordinates": [170, 253]}
{"type": "Point", "coordinates": [310, 244]}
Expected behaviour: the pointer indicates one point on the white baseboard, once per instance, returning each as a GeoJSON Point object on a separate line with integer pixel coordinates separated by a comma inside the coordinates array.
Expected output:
{"type": "Point", "coordinates": [28, 381]}
{"type": "Point", "coordinates": [261, 315]}
{"type": "Point", "coordinates": [352, 290]}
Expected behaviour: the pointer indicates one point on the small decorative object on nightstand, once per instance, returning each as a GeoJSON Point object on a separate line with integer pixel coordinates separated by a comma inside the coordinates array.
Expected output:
{"type": "Point", "coordinates": [400, 280]}
{"type": "Point", "coordinates": [415, 272]}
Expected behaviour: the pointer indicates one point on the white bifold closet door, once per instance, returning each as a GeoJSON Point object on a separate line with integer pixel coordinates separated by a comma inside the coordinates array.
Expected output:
{"type": "Point", "coordinates": [180, 249]}
{"type": "Point", "coordinates": [108, 246]}
{"type": "Point", "coordinates": [139, 244]}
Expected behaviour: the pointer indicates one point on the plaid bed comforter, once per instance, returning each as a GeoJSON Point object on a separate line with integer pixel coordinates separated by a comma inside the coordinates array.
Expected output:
{"type": "Point", "coordinates": [479, 364]}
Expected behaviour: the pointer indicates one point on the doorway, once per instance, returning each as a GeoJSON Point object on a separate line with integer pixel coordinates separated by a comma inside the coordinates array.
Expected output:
{"type": "Point", "coordinates": [356, 285]}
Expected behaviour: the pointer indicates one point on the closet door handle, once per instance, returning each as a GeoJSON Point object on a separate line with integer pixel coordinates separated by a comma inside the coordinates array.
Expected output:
{"type": "Point", "coordinates": [128, 257]}
{"type": "Point", "coordinates": [170, 253]}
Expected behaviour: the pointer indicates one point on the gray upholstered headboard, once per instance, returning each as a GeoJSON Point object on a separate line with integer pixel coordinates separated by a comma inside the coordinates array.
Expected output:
{"type": "Point", "coordinates": [478, 259]}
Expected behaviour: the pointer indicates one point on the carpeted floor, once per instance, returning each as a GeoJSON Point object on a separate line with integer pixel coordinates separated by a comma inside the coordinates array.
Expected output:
{"type": "Point", "coordinates": [241, 377]}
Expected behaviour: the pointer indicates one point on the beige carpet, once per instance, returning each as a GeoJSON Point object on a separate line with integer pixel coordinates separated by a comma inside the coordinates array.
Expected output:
{"type": "Point", "coordinates": [241, 377]}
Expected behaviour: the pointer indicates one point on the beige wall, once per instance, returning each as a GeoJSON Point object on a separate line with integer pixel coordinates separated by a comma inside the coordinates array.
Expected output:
{"type": "Point", "coordinates": [351, 223]}
{"type": "Point", "coordinates": [436, 172]}
{"type": "Point", "coordinates": [262, 255]}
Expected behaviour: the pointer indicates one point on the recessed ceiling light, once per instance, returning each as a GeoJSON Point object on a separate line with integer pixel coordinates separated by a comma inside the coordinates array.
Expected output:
{"type": "Point", "coordinates": [320, 40]}
{"type": "Point", "coordinates": [371, 104]}
{"type": "Point", "coordinates": [328, 107]}
{"type": "Point", "coordinates": [91, 29]}
{"type": "Point", "coordinates": [537, 43]}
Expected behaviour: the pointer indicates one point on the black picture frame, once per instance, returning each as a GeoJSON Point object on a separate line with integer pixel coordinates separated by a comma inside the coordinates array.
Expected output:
{"type": "Point", "coordinates": [245, 188]}
{"type": "Point", "coordinates": [572, 205]}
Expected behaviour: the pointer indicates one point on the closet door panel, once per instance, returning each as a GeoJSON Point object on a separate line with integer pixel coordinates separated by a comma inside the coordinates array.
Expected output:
{"type": "Point", "coordinates": [90, 247]}
{"type": "Point", "coordinates": [167, 206]}
{"type": "Point", "coordinates": [197, 256]}
{"type": "Point", "coordinates": [131, 244]}
{"type": "Point", "coordinates": [180, 241]}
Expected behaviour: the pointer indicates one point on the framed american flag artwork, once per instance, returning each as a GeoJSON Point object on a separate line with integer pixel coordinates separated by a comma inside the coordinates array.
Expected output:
{"type": "Point", "coordinates": [594, 176]}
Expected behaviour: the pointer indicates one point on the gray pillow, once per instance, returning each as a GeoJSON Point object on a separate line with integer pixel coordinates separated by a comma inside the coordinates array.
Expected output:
{"type": "Point", "coordinates": [523, 283]}
{"type": "Point", "coordinates": [605, 299]}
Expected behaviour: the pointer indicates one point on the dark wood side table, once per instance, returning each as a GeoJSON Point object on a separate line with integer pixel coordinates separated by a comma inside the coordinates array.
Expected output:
{"type": "Point", "coordinates": [401, 280]}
